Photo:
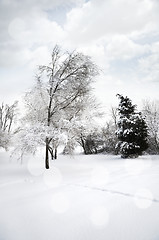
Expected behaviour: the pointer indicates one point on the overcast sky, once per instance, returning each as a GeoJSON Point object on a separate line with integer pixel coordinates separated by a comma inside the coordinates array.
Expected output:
{"type": "Point", "coordinates": [122, 37]}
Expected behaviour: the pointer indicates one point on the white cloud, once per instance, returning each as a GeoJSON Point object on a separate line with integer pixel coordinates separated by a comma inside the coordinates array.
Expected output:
{"type": "Point", "coordinates": [39, 56]}
{"type": "Point", "coordinates": [98, 28]}
{"type": "Point", "coordinates": [149, 65]}
{"type": "Point", "coordinates": [122, 47]}
{"type": "Point", "coordinates": [99, 18]}
{"type": "Point", "coordinates": [112, 32]}
{"type": "Point", "coordinates": [97, 51]}
{"type": "Point", "coordinates": [28, 35]}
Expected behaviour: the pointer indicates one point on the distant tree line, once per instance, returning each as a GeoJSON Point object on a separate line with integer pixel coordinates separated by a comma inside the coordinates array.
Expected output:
{"type": "Point", "coordinates": [126, 128]}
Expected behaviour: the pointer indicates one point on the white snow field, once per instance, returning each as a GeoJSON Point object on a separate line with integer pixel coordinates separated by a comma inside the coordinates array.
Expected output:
{"type": "Point", "coordinates": [94, 197]}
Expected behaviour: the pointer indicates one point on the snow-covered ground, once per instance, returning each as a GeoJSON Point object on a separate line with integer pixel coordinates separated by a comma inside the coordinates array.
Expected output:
{"type": "Point", "coordinates": [80, 198]}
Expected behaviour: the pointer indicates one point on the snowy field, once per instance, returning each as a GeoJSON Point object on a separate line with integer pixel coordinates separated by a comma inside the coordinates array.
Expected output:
{"type": "Point", "coordinates": [100, 197]}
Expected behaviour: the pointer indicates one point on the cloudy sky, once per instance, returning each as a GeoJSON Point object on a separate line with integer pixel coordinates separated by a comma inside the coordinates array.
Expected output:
{"type": "Point", "coordinates": [121, 36]}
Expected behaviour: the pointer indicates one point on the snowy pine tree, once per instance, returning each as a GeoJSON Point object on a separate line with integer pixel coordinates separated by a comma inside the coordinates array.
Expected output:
{"type": "Point", "coordinates": [132, 129]}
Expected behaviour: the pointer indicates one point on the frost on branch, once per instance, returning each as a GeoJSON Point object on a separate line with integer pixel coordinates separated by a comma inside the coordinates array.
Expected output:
{"type": "Point", "coordinates": [58, 97]}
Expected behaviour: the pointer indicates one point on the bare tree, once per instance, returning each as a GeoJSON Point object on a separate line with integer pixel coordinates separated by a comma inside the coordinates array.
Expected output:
{"type": "Point", "coordinates": [7, 116]}
{"type": "Point", "coordinates": [151, 113]}
{"type": "Point", "coordinates": [59, 87]}
{"type": "Point", "coordinates": [114, 115]}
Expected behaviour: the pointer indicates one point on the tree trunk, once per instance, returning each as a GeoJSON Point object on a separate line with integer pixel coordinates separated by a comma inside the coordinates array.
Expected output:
{"type": "Point", "coordinates": [55, 153]}
{"type": "Point", "coordinates": [11, 120]}
{"type": "Point", "coordinates": [83, 145]}
{"type": "Point", "coordinates": [51, 153]}
{"type": "Point", "coordinates": [47, 155]}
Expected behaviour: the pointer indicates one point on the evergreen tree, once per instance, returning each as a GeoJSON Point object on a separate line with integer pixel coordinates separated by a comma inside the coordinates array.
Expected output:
{"type": "Point", "coordinates": [132, 129]}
